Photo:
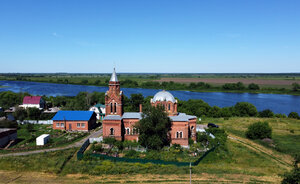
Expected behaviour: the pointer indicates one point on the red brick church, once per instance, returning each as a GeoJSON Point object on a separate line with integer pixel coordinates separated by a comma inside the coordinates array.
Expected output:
{"type": "Point", "coordinates": [120, 125]}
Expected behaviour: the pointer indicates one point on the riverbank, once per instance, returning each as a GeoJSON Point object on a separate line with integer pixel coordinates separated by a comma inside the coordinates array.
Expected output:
{"type": "Point", "coordinates": [174, 87]}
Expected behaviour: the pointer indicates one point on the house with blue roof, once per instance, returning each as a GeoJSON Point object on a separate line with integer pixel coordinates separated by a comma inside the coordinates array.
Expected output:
{"type": "Point", "coordinates": [74, 120]}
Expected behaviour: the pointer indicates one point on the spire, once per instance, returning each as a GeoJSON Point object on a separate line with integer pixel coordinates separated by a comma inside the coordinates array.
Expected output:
{"type": "Point", "coordinates": [114, 77]}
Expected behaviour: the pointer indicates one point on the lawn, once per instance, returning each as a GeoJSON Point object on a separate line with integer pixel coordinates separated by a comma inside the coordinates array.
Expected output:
{"type": "Point", "coordinates": [28, 133]}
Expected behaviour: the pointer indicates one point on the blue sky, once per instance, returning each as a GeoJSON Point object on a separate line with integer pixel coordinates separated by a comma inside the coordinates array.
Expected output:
{"type": "Point", "coordinates": [191, 36]}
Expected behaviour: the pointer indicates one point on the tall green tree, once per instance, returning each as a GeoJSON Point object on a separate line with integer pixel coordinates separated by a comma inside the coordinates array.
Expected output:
{"type": "Point", "coordinates": [154, 128]}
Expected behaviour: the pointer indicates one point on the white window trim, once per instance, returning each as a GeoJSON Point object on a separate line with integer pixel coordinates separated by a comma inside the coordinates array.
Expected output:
{"type": "Point", "coordinates": [78, 124]}
{"type": "Point", "coordinates": [179, 134]}
{"type": "Point", "coordinates": [82, 125]}
{"type": "Point", "coordinates": [127, 129]}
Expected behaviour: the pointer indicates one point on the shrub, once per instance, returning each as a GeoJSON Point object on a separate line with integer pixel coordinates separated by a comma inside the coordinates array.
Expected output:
{"type": "Point", "coordinates": [132, 154]}
{"type": "Point", "coordinates": [294, 115]}
{"type": "Point", "coordinates": [294, 175]}
{"type": "Point", "coordinates": [253, 86]}
{"type": "Point", "coordinates": [259, 130]}
{"type": "Point", "coordinates": [245, 109]}
{"type": "Point", "coordinates": [266, 114]}
{"type": "Point", "coordinates": [280, 116]}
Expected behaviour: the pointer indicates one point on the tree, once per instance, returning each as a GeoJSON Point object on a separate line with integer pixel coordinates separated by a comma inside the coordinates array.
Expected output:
{"type": "Point", "coordinates": [259, 130]}
{"type": "Point", "coordinates": [253, 86]}
{"type": "Point", "coordinates": [296, 86]}
{"type": "Point", "coordinates": [20, 114]}
{"type": "Point", "coordinates": [245, 109]}
{"type": "Point", "coordinates": [33, 113]}
{"type": "Point", "coordinates": [154, 128]}
{"type": "Point", "coordinates": [266, 114]}
{"type": "Point", "coordinates": [294, 115]}
{"type": "Point", "coordinates": [135, 101]}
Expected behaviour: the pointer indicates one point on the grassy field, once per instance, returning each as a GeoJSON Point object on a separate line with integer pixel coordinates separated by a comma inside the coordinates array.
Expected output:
{"type": "Point", "coordinates": [286, 131]}
{"type": "Point", "coordinates": [27, 137]}
{"type": "Point", "coordinates": [239, 165]}
{"type": "Point", "coordinates": [244, 161]}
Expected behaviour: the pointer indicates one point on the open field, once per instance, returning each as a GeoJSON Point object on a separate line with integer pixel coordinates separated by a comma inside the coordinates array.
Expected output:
{"type": "Point", "coordinates": [285, 132]}
{"type": "Point", "coordinates": [243, 161]}
{"type": "Point", "coordinates": [287, 83]}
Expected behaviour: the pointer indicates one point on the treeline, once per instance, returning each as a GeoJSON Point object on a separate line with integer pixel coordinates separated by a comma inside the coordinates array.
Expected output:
{"type": "Point", "coordinates": [84, 100]}
{"type": "Point", "coordinates": [200, 86]}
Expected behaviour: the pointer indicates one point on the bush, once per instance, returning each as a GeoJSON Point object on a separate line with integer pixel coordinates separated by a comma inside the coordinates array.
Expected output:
{"type": "Point", "coordinates": [294, 115]}
{"type": "Point", "coordinates": [294, 175]}
{"type": "Point", "coordinates": [259, 130]}
{"type": "Point", "coordinates": [132, 154]}
{"type": "Point", "coordinates": [266, 114]}
{"type": "Point", "coordinates": [245, 109]}
{"type": "Point", "coordinates": [253, 86]}
{"type": "Point", "coordinates": [280, 116]}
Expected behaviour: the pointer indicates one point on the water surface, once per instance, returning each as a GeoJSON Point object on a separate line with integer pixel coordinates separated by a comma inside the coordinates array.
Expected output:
{"type": "Point", "coordinates": [278, 103]}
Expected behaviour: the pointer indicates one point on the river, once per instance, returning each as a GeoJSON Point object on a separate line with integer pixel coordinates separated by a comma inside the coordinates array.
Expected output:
{"type": "Point", "coordinates": [278, 103]}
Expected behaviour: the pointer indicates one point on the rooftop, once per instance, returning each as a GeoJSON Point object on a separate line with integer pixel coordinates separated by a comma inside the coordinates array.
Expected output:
{"type": "Point", "coordinates": [163, 96]}
{"type": "Point", "coordinates": [182, 117]}
{"type": "Point", "coordinates": [132, 115]}
{"type": "Point", "coordinates": [112, 117]}
{"type": "Point", "coordinates": [73, 115]}
{"type": "Point", "coordinates": [32, 99]}
{"type": "Point", "coordinates": [114, 77]}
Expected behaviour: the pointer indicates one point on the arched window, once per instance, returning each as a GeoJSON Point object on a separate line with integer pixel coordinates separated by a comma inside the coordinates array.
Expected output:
{"type": "Point", "coordinates": [115, 108]}
{"type": "Point", "coordinates": [127, 131]}
{"type": "Point", "coordinates": [169, 107]}
{"type": "Point", "coordinates": [112, 131]}
{"type": "Point", "coordinates": [179, 134]}
{"type": "Point", "coordinates": [111, 108]}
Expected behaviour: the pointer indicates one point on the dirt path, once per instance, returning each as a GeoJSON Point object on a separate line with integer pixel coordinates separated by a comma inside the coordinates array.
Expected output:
{"type": "Point", "coordinates": [38, 177]}
{"type": "Point", "coordinates": [283, 160]}
{"type": "Point", "coordinates": [75, 144]}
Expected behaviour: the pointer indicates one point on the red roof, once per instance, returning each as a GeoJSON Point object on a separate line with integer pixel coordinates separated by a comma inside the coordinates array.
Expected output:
{"type": "Point", "coordinates": [32, 99]}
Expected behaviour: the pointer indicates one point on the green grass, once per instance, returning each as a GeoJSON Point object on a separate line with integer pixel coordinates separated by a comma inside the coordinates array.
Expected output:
{"type": "Point", "coordinates": [28, 138]}
{"type": "Point", "coordinates": [285, 132]}
{"type": "Point", "coordinates": [51, 162]}
{"type": "Point", "coordinates": [236, 159]}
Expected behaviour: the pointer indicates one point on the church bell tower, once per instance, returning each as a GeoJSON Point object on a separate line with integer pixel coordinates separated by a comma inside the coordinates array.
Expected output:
{"type": "Point", "coordinates": [114, 97]}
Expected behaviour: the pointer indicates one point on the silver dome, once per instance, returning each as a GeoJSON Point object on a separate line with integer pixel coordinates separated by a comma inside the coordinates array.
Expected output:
{"type": "Point", "coordinates": [163, 96]}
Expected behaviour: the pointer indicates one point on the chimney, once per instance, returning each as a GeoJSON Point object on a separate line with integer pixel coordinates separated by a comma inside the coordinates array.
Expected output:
{"type": "Point", "coordinates": [141, 108]}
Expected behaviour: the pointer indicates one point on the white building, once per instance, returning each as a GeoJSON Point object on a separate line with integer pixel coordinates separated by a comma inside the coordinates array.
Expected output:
{"type": "Point", "coordinates": [42, 139]}
{"type": "Point", "coordinates": [99, 109]}
{"type": "Point", "coordinates": [33, 101]}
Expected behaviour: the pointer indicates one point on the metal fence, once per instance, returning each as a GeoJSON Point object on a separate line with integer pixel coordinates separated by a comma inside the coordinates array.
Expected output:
{"type": "Point", "coordinates": [44, 122]}
{"type": "Point", "coordinates": [80, 155]}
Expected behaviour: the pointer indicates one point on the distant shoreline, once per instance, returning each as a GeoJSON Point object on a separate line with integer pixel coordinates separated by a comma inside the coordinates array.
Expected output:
{"type": "Point", "coordinates": [211, 90]}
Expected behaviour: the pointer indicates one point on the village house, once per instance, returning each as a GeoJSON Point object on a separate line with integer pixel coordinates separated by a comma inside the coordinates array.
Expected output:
{"type": "Point", "coordinates": [99, 109]}
{"type": "Point", "coordinates": [74, 120]}
{"type": "Point", "coordinates": [120, 125]}
{"type": "Point", "coordinates": [33, 102]}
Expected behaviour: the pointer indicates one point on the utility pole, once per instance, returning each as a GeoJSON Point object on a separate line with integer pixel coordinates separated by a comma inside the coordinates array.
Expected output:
{"type": "Point", "coordinates": [190, 173]}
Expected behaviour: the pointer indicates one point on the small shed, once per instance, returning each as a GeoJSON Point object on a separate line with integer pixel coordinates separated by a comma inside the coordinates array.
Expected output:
{"type": "Point", "coordinates": [42, 139]}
